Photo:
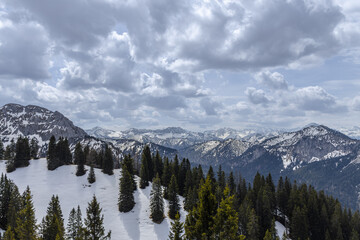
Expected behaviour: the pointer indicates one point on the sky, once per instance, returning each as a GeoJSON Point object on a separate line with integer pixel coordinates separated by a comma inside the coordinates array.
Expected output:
{"type": "Point", "coordinates": [194, 64]}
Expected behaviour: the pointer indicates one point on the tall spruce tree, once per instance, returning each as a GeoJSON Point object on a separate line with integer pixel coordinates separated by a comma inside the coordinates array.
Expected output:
{"type": "Point", "coordinates": [22, 155]}
{"type": "Point", "coordinates": [26, 222]}
{"type": "Point", "coordinates": [156, 201]}
{"type": "Point", "coordinates": [52, 225]}
{"type": "Point", "coordinates": [253, 228]}
{"type": "Point", "coordinates": [199, 222]}
{"type": "Point", "coordinates": [74, 230]}
{"type": "Point", "coordinates": [144, 182]}
{"type": "Point", "coordinates": [146, 155]}
{"type": "Point", "coordinates": [174, 206]}
{"type": "Point", "coordinates": [52, 160]}
{"type": "Point", "coordinates": [34, 148]}
{"type": "Point", "coordinates": [79, 159]}
{"type": "Point", "coordinates": [91, 176]}
{"type": "Point", "coordinates": [226, 218]}
{"type": "Point", "coordinates": [158, 166]}
{"type": "Point", "coordinates": [108, 165]}
{"type": "Point", "coordinates": [126, 196]}
{"type": "Point", "coordinates": [177, 229]}
{"type": "Point", "coordinates": [94, 222]}
{"type": "Point", "coordinates": [129, 163]}
{"type": "Point", "coordinates": [9, 234]}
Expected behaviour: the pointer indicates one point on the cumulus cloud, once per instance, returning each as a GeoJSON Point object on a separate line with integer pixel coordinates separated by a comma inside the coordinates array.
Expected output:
{"type": "Point", "coordinates": [257, 96]}
{"type": "Point", "coordinates": [273, 80]}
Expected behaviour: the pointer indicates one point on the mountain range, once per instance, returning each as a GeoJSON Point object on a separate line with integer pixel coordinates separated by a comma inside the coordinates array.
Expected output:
{"type": "Point", "coordinates": [317, 155]}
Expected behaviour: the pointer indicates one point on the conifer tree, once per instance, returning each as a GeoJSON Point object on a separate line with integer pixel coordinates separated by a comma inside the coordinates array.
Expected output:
{"type": "Point", "coordinates": [146, 156]}
{"type": "Point", "coordinates": [166, 177]}
{"type": "Point", "coordinates": [15, 205]}
{"type": "Point", "coordinates": [156, 201]}
{"type": "Point", "coordinates": [34, 148]}
{"type": "Point", "coordinates": [199, 222]}
{"type": "Point", "coordinates": [253, 226]}
{"type": "Point", "coordinates": [79, 159]}
{"type": "Point", "coordinates": [126, 196]}
{"type": "Point", "coordinates": [52, 163]}
{"type": "Point", "coordinates": [94, 222]}
{"type": "Point", "coordinates": [226, 219]}
{"type": "Point", "coordinates": [158, 167]}
{"type": "Point", "coordinates": [26, 222]}
{"type": "Point", "coordinates": [108, 165]}
{"type": "Point", "coordinates": [22, 155]}
{"type": "Point", "coordinates": [74, 230]}
{"type": "Point", "coordinates": [173, 198]}
{"type": "Point", "coordinates": [2, 150]}
{"type": "Point", "coordinates": [7, 153]}
{"type": "Point", "coordinates": [52, 225]}
{"type": "Point", "coordinates": [129, 163]}
{"type": "Point", "coordinates": [299, 224]}
{"type": "Point", "coordinates": [177, 229]}
{"type": "Point", "coordinates": [143, 175]}
{"type": "Point", "coordinates": [91, 176]}
{"type": "Point", "coordinates": [9, 234]}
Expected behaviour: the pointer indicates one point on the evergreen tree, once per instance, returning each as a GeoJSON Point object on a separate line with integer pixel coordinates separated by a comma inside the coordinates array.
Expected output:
{"type": "Point", "coordinates": [80, 160]}
{"type": "Point", "coordinates": [146, 156]}
{"type": "Point", "coordinates": [126, 196]}
{"type": "Point", "coordinates": [34, 148]}
{"type": "Point", "coordinates": [108, 165]}
{"type": "Point", "coordinates": [158, 167]}
{"type": "Point", "coordinates": [15, 205]}
{"type": "Point", "coordinates": [231, 183]}
{"type": "Point", "coordinates": [52, 162]}
{"type": "Point", "coordinates": [94, 226]}
{"type": "Point", "coordinates": [75, 229]}
{"type": "Point", "coordinates": [226, 219]}
{"type": "Point", "coordinates": [22, 155]}
{"type": "Point", "coordinates": [26, 222]}
{"type": "Point", "coordinates": [143, 175]}
{"type": "Point", "coordinates": [253, 226]}
{"type": "Point", "coordinates": [52, 225]}
{"type": "Point", "coordinates": [299, 224]}
{"type": "Point", "coordinates": [156, 201]}
{"type": "Point", "coordinates": [177, 229]}
{"type": "Point", "coordinates": [174, 206]}
{"type": "Point", "coordinates": [9, 234]}
{"type": "Point", "coordinates": [199, 222]}
{"type": "Point", "coordinates": [1, 150]}
{"type": "Point", "coordinates": [129, 163]}
{"type": "Point", "coordinates": [7, 153]}
{"type": "Point", "coordinates": [354, 235]}
{"type": "Point", "coordinates": [91, 176]}
{"type": "Point", "coordinates": [10, 165]}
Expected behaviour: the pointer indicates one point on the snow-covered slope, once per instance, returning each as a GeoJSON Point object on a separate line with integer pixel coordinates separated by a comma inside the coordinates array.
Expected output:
{"type": "Point", "coordinates": [33, 121]}
{"type": "Point", "coordinates": [73, 191]}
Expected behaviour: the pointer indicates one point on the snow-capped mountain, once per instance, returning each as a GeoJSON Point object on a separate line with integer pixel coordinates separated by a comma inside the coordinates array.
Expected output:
{"type": "Point", "coordinates": [33, 121]}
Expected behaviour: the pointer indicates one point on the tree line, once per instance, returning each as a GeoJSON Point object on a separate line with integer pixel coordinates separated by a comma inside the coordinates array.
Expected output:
{"type": "Point", "coordinates": [17, 218]}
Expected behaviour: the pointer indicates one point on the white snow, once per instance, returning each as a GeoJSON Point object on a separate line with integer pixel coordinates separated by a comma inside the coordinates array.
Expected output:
{"type": "Point", "coordinates": [335, 154]}
{"type": "Point", "coordinates": [280, 229]}
{"type": "Point", "coordinates": [73, 191]}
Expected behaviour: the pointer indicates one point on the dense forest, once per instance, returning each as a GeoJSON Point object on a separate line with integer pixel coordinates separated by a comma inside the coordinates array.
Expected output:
{"type": "Point", "coordinates": [219, 205]}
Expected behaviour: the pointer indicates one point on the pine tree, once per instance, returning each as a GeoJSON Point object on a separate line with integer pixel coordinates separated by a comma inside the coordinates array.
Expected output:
{"type": "Point", "coordinates": [22, 155]}
{"type": "Point", "coordinates": [9, 234]}
{"type": "Point", "coordinates": [15, 205]}
{"type": "Point", "coordinates": [146, 156]}
{"type": "Point", "coordinates": [144, 182]}
{"type": "Point", "coordinates": [91, 176]}
{"type": "Point", "coordinates": [52, 163]}
{"type": "Point", "coordinates": [74, 230]}
{"type": "Point", "coordinates": [26, 222]}
{"type": "Point", "coordinates": [34, 148]}
{"type": "Point", "coordinates": [173, 198]}
{"type": "Point", "coordinates": [80, 160]}
{"type": "Point", "coordinates": [253, 226]}
{"type": "Point", "coordinates": [177, 229]}
{"type": "Point", "coordinates": [156, 201]}
{"type": "Point", "coordinates": [94, 226]}
{"type": "Point", "coordinates": [7, 153]}
{"type": "Point", "coordinates": [158, 167]}
{"type": "Point", "coordinates": [1, 150]}
{"type": "Point", "coordinates": [52, 225]}
{"type": "Point", "coordinates": [226, 219]}
{"type": "Point", "coordinates": [108, 166]}
{"type": "Point", "coordinates": [199, 222]}
{"type": "Point", "coordinates": [129, 163]}
{"type": "Point", "coordinates": [299, 224]}
{"type": "Point", "coordinates": [126, 196]}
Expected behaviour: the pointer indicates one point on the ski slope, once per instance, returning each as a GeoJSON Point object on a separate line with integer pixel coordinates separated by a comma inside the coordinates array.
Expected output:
{"type": "Point", "coordinates": [74, 191]}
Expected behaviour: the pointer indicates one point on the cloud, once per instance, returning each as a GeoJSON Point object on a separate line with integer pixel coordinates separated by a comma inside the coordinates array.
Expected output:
{"type": "Point", "coordinates": [273, 80]}
{"type": "Point", "coordinates": [257, 96]}
{"type": "Point", "coordinates": [210, 106]}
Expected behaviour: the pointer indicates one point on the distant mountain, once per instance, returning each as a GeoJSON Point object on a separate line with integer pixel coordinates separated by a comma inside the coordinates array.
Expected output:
{"type": "Point", "coordinates": [33, 121]}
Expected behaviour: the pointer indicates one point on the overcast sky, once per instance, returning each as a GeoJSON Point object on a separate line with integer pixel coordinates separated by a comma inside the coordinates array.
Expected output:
{"type": "Point", "coordinates": [188, 63]}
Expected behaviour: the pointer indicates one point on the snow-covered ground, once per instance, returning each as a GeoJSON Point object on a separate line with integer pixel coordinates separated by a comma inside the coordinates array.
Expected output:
{"type": "Point", "coordinates": [74, 191]}
{"type": "Point", "coordinates": [280, 229]}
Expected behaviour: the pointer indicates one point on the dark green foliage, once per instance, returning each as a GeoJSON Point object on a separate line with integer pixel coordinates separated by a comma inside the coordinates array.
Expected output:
{"type": "Point", "coordinates": [147, 168]}
{"type": "Point", "coordinates": [156, 201]}
{"type": "Point", "coordinates": [75, 230]}
{"type": "Point", "coordinates": [52, 225]}
{"type": "Point", "coordinates": [52, 160]}
{"type": "Point", "coordinates": [9, 234]}
{"type": "Point", "coordinates": [143, 175]}
{"type": "Point", "coordinates": [91, 176]}
{"type": "Point", "coordinates": [79, 159]}
{"type": "Point", "coordinates": [2, 150]}
{"type": "Point", "coordinates": [10, 202]}
{"type": "Point", "coordinates": [34, 148]}
{"type": "Point", "coordinates": [94, 226]}
{"type": "Point", "coordinates": [22, 153]}
{"type": "Point", "coordinates": [26, 222]}
{"type": "Point", "coordinates": [8, 154]}
{"type": "Point", "coordinates": [158, 165]}
{"type": "Point", "coordinates": [173, 198]}
{"type": "Point", "coordinates": [253, 228]}
{"type": "Point", "coordinates": [199, 222]}
{"type": "Point", "coordinates": [129, 163]}
{"type": "Point", "coordinates": [108, 165]}
{"type": "Point", "coordinates": [184, 168]}
{"type": "Point", "coordinates": [126, 196]}
{"type": "Point", "coordinates": [177, 229]}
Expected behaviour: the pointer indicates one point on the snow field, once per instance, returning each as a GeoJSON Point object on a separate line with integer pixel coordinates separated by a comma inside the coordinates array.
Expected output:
{"type": "Point", "coordinates": [74, 191]}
